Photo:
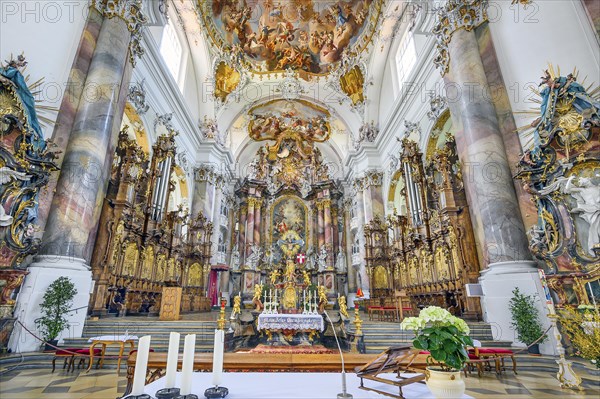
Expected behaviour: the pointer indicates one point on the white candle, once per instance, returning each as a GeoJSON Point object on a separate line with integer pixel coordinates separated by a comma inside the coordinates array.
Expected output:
{"type": "Point", "coordinates": [593, 296]}
{"type": "Point", "coordinates": [141, 363]}
{"type": "Point", "coordinates": [218, 357]}
{"type": "Point", "coordinates": [189, 348]}
{"type": "Point", "coordinates": [172, 358]}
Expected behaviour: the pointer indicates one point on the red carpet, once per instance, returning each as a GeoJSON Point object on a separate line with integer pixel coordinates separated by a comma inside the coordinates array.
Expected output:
{"type": "Point", "coordinates": [314, 349]}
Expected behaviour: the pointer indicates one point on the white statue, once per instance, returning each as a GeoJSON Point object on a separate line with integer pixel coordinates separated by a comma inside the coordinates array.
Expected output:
{"type": "Point", "coordinates": [340, 262]}
{"type": "Point", "coordinates": [310, 259]}
{"type": "Point", "coordinates": [322, 259]}
{"type": "Point", "coordinates": [587, 196]}
{"type": "Point", "coordinates": [235, 258]}
{"type": "Point", "coordinates": [254, 257]}
{"type": "Point", "coordinates": [6, 176]}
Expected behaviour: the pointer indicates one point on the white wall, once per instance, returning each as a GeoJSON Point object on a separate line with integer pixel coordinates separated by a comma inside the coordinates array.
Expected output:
{"type": "Point", "coordinates": [526, 40]}
{"type": "Point", "coordinates": [48, 33]}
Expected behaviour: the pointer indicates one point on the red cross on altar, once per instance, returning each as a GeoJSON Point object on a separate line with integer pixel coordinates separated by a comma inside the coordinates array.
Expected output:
{"type": "Point", "coordinates": [300, 258]}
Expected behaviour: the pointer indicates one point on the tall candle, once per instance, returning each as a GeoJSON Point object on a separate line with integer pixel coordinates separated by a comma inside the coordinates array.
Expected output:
{"type": "Point", "coordinates": [172, 359]}
{"type": "Point", "coordinates": [189, 348]}
{"type": "Point", "coordinates": [218, 357]}
{"type": "Point", "coordinates": [141, 363]}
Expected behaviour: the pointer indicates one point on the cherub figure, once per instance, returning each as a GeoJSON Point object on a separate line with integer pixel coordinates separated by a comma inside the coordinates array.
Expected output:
{"type": "Point", "coordinates": [343, 306]}
{"type": "Point", "coordinates": [258, 288]}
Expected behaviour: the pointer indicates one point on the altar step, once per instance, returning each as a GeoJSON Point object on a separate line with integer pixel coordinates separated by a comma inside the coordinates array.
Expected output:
{"type": "Point", "coordinates": [379, 335]}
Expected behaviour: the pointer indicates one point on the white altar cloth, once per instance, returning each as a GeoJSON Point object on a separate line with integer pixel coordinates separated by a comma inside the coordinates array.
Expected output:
{"type": "Point", "coordinates": [267, 321]}
{"type": "Point", "coordinates": [294, 386]}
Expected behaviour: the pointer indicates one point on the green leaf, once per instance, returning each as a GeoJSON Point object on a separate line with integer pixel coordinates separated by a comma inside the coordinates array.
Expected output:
{"type": "Point", "coordinates": [438, 355]}
{"type": "Point", "coordinates": [450, 346]}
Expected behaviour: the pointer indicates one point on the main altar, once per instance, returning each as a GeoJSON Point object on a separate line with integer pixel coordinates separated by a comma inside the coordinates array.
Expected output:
{"type": "Point", "coordinates": [288, 261]}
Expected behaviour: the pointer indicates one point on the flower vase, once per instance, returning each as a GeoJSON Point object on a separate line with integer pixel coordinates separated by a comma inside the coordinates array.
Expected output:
{"type": "Point", "coordinates": [445, 384]}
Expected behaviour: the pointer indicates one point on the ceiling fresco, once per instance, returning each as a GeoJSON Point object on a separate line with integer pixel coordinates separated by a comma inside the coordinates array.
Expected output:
{"type": "Point", "coordinates": [304, 35]}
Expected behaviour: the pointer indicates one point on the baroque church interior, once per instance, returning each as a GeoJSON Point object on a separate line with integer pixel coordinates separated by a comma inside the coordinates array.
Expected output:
{"type": "Point", "coordinates": [361, 198]}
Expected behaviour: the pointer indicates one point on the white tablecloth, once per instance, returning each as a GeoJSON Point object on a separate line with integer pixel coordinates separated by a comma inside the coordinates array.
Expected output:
{"type": "Point", "coordinates": [294, 385]}
{"type": "Point", "coordinates": [113, 338]}
{"type": "Point", "coordinates": [290, 322]}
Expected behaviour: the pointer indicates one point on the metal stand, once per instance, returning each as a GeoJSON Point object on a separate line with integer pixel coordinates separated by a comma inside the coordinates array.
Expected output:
{"type": "Point", "coordinates": [142, 396]}
{"type": "Point", "coordinates": [189, 396]}
{"type": "Point", "coordinates": [216, 392]}
{"type": "Point", "coordinates": [167, 393]}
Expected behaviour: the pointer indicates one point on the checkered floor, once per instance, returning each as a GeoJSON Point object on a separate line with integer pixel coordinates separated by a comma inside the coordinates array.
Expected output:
{"type": "Point", "coordinates": [105, 384]}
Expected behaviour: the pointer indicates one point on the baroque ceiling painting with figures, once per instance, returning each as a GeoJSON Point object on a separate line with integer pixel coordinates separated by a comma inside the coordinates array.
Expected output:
{"type": "Point", "coordinates": [299, 199]}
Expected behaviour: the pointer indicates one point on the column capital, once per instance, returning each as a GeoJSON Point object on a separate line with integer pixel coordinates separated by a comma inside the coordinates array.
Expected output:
{"type": "Point", "coordinates": [129, 11]}
{"type": "Point", "coordinates": [452, 16]}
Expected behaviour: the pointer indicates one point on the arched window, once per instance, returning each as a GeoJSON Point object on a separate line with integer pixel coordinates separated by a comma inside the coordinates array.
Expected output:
{"type": "Point", "coordinates": [406, 58]}
{"type": "Point", "coordinates": [171, 50]}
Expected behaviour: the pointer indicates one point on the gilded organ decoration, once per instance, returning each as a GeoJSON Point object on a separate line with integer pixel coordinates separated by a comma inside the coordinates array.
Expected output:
{"type": "Point", "coordinates": [561, 170]}
{"type": "Point", "coordinates": [152, 245]}
{"type": "Point", "coordinates": [305, 35]}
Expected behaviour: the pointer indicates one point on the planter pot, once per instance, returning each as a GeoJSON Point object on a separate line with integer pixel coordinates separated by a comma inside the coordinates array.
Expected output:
{"type": "Point", "coordinates": [445, 384]}
{"type": "Point", "coordinates": [534, 349]}
{"type": "Point", "coordinates": [48, 348]}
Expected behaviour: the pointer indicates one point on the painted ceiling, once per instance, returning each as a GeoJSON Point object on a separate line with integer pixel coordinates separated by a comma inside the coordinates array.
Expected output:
{"type": "Point", "coordinates": [305, 35]}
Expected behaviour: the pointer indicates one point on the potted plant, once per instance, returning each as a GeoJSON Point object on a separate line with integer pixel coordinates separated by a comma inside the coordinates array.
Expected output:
{"type": "Point", "coordinates": [55, 305]}
{"type": "Point", "coordinates": [526, 321]}
{"type": "Point", "coordinates": [445, 338]}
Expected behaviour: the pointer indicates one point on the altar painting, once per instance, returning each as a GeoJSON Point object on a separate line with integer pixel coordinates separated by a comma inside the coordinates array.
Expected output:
{"type": "Point", "coordinates": [288, 228]}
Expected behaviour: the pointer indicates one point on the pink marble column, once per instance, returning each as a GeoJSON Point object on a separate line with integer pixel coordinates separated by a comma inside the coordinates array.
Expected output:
{"type": "Point", "coordinates": [328, 231]}
{"type": "Point", "coordinates": [250, 225]}
{"type": "Point", "coordinates": [320, 224]}
{"type": "Point", "coordinates": [257, 220]}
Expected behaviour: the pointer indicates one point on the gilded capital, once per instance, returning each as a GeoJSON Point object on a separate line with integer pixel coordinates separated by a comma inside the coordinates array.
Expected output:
{"type": "Point", "coordinates": [129, 11]}
{"type": "Point", "coordinates": [455, 15]}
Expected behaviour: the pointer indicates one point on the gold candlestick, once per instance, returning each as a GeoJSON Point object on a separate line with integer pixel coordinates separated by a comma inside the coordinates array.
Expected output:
{"type": "Point", "coordinates": [357, 322]}
{"type": "Point", "coordinates": [221, 321]}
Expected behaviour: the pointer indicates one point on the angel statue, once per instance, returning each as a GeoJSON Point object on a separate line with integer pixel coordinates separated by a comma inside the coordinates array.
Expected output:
{"type": "Point", "coordinates": [6, 176]}
{"type": "Point", "coordinates": [237, 302]}
{"type": "Point", "coordinates": [322, 259]}
{"type": "Point", "coordinates": [258, 288]}
{"type": "Point", "coordinates": [322, 298]}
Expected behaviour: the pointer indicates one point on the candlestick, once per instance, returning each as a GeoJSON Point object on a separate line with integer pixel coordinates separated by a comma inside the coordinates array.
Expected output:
{"type": "Point", "coordinates": [172, 358]}
{"type": "Point", "coordinates": [189, 348]}
{"type": "Point", "coordinates": [218, 357]}
{"type": "Point", "coordinates": [593, 296]}
{"type": "Point", "coordinates": [141, 363]}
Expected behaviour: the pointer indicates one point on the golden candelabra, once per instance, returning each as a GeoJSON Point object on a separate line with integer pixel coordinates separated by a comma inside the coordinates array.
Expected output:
{"type": "Point", "coordinates": [221, 321]}
{"type": "Point", "coordinates": [357, 322]}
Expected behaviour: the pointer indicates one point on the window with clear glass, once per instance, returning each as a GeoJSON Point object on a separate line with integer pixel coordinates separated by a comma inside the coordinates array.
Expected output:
{"type": "Point", "coordinates": [171, 51]}
{"type": "Point", "coordinates": [406, 58]}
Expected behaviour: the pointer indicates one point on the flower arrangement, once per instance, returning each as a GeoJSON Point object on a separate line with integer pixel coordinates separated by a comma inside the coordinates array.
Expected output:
{"type": "Point", "coordinates": [583, 330]}
{"type": "Point", "coordinates": [445, 336]}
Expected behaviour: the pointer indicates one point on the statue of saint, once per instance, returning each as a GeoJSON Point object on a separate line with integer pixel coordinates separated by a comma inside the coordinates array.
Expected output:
{"type": "Point", "coordinates": [340, 262]}
{"type": "Point", "coordinates": [322, 259]}
{"type": "Point", "coordinates": [235, 258]}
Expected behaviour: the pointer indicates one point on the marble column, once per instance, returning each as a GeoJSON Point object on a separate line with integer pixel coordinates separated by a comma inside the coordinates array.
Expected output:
{"type": "Point", "coordinates": [327, 234]}
{"type": "Point", "coordinates": [70, 103]}
{"type": "Point", "coordinates": [257, 221]}
{"type": "Point", "coordinates": [72, 223]}
{"type": "Point", "coordinates": [488, 182]}
{"type": "Point", "coordinates": [493, 205]}
{"type": "Point", "coordinates": [250, 225]}
{"type": "Point", "coordinates": [320, 226]}
{"type": "Point", "coordinates": [241, 238]}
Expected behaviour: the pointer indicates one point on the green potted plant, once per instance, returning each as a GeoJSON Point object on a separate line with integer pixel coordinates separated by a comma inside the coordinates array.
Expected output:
{"type": "Point", "coordinates": [526, 321]}
{"type": "Point", "coordinates": [446, 338]}
{"type": "Point", "coordinates": [55, 305]}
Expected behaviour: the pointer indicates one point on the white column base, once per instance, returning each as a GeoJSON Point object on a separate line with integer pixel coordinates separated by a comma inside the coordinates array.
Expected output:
{"type": "Point", "coordinates": [43, 272]}
{"type": "Point", "coordinates": [498, 282]}
{"type": "Point", "coordinates": [350, 300]}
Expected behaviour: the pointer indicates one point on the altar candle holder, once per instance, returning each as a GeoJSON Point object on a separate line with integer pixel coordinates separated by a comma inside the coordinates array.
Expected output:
{"type": "Point", "coordinates": [170, 391]}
